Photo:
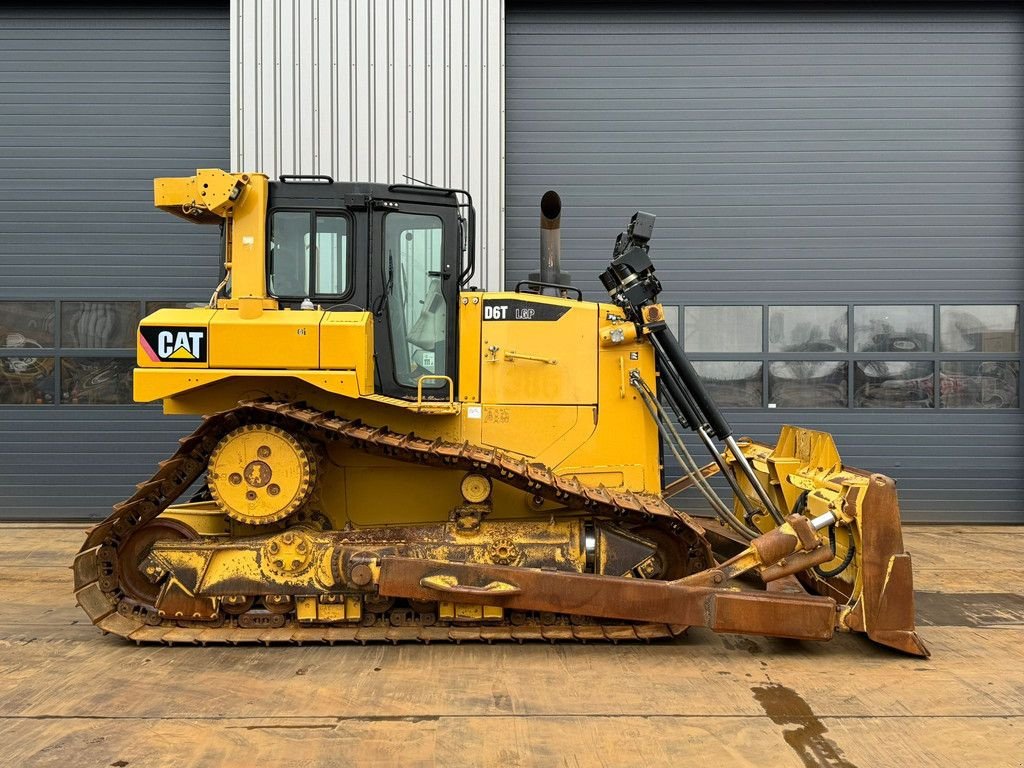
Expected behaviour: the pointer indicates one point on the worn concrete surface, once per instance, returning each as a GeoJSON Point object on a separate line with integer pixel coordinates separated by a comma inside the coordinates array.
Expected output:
{"type": "Point", "coordinates": [70, 697]}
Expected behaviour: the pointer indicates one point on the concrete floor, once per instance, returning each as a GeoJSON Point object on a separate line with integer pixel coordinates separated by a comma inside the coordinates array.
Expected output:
{"type": "Point", "coordinates": [70, 697]}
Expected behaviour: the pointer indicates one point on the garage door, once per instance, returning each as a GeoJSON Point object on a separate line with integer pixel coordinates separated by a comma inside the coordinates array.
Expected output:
{"type": "Point", "coordinates": [839, 215]}
{"type": "Point", "coordinates": [96, 102]}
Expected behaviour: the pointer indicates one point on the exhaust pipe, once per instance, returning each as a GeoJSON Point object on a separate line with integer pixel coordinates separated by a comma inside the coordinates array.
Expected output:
{"type": "Point", "coordinates": [550, 244]}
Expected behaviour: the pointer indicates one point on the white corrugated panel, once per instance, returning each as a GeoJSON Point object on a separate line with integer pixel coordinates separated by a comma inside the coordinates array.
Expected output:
{"type": "Point", "coordinates": [376, 91]}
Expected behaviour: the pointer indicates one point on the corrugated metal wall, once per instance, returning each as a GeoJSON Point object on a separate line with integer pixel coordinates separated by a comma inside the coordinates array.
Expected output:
{"type": "Point", "coordinates": [97, 101]}
{"type": "Point", "coordinates": [794, 156]}
{"type": "Point", "coordinates": [374, 91]}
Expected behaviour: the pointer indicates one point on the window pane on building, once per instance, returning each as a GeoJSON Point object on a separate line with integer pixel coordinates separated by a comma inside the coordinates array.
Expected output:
{"type": "Point", "coordinates": [979, 384]}
{"type": "Point", "coordinates": [733, 384]}
{"type": "Point", "coordinates": [807, 329]}
{"type": "Point", "coordinates": [26, 324]}
{"type": "Point", "coordinates": [672, 318]}
{"type": "Point", "coordinates": [894, 384]}
{"type": "Point", "coordinates": [893, 328]}
{"type": "Point", "coordinates": [979, 328]}
{"type": "Point", "coordinates": [26, 380]}
{"type": "Point", "coordinates": [807, 384]}
{"type": "Point", "coordinates": [98, 324]}
{"type": "Point", "coordinates": [722, 329]}
{"type": "Point", "coordinates": [96, 380]}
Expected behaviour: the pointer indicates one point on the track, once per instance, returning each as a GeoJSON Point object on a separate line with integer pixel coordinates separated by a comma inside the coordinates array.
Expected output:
{"type": "Point", "coordinates": [97, 579]}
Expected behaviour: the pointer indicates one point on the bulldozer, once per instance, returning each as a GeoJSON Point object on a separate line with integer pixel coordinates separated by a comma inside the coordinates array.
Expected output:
{"type": "Point", "coordinates": [389, 454]}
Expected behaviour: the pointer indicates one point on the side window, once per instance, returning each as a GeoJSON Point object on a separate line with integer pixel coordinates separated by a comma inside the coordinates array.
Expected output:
{"type": "Point", "coordinates": [291, 233]}
{"type": "Point", "coordinates": [331, 255]}
{"type": "Point", "coordinates": [289, 254]}
{"type": "Point", "coordinates": [416, 305]}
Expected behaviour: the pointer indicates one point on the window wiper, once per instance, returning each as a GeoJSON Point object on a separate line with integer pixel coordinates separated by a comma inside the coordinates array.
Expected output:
{"type": "Point", "coordinates": [389, 285]}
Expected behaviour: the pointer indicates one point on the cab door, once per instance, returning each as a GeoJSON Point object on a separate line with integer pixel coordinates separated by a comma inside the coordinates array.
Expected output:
{"type": "Point", "coordinates": [414, 285]}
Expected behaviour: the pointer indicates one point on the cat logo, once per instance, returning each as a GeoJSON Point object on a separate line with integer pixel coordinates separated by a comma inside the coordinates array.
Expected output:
{"type": "Point", "coordinates": [173, 345]}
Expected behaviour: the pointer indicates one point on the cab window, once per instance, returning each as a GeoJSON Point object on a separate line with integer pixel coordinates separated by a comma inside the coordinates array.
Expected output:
{"type": "Point", "coordinates": [297, 269]}
{"type": "Point", "coordinates": [331, 255]}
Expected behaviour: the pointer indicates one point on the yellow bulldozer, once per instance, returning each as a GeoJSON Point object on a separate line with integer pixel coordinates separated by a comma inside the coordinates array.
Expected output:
{"type": "Point", "coordinates": [391, 455]}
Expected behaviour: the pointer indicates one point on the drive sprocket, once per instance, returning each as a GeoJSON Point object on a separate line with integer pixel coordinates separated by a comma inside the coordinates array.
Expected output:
{"type": "Point", "coordinates": [261, 473]}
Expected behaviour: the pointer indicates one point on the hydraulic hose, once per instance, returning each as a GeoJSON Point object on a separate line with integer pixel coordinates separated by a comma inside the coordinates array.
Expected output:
{"type": "Point", "coordinates": [686, 460]}
{"type": "Point", "coordinates": [851, 551]}
{"type": "Point", "coordinates": [685, 411]}
{"type": "Point", "coordinates": [693, 403]}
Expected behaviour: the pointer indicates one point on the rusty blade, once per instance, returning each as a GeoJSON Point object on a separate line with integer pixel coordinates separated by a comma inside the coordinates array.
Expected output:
{"type": "Point", "coordinates": [886, 605]}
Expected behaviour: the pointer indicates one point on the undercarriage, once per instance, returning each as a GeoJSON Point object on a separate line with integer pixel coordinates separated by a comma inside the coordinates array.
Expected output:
{"type": "Point", "coordinates": [257, 557]}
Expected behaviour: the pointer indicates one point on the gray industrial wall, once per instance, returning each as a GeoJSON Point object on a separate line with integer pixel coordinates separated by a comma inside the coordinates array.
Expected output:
{"type": "Point", "coordinates": [97, 101]}
{"type": "Point", "coordinates": [795, 157]}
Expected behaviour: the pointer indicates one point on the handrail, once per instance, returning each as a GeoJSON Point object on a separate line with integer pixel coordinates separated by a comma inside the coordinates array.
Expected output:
{"type": "Point", "coordinates": [318, 178]}
{"type": "Point", "coordinates": [421, 404]}
{"type": "Point", "coordinates": [556, 286]}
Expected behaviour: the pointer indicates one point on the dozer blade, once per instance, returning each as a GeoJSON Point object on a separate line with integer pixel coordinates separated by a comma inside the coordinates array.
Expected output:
{"type": "Point", "coordinates": [885, 609]}
{"type": "Point", "coordinates": [870, 575]}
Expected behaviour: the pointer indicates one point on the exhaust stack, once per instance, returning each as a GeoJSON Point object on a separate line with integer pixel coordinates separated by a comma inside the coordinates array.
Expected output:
{"type": "Point", "coordinates": [550, 244]}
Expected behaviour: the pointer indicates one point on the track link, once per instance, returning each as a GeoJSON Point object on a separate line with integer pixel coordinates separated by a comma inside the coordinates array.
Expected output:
{"type": "Point", "coordinates": [97, 581]}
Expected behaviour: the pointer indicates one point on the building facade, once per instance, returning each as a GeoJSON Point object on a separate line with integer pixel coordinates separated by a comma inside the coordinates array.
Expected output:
{"type": "Point", "coordinates": [839, 202]}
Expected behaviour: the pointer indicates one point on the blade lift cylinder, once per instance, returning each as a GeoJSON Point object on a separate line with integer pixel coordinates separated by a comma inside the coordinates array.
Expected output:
{"type": "Point", "coordinates": [632, 285]}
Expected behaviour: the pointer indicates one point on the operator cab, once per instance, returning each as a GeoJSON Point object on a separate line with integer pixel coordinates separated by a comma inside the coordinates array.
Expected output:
{"type": "Point", "coordinates": [400, 252]}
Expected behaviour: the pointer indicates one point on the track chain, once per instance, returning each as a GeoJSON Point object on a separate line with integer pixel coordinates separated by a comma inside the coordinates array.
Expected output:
{"type": "Point", "coordinates": [97, 584]}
